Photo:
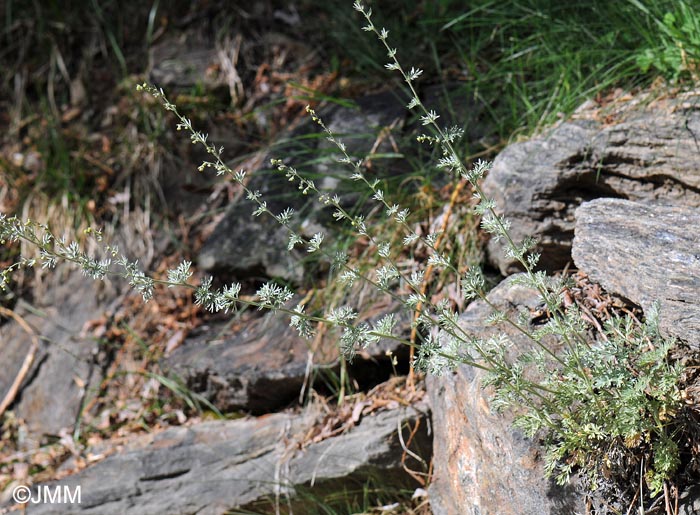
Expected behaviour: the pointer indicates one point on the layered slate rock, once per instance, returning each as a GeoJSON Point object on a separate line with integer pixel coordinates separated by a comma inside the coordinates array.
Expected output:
{"type": "Point", "coordinates": [52, 391]}
{"type": "Point", "coordinates": [259, 369]}
{"type": "Point", "coordinates": [484, 466]}
{"type": "Point", "coordinates": [182, 64]}
{"type": "Point", "coordinates": [213, 467]}
{"type": "Point", "coordinates": [646, 153]}
{"type": "Point", "coordinates": [263, 366]}
{"type": "Point", "coordinates": [645, 253]}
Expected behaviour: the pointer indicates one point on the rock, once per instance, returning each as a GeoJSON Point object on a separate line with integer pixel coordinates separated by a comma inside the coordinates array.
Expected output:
{"type": "Point", "coordinates": [689, 501]}
{"type": "Point", "coordinates": [645, 253]}
{"type": "Point", "coordinates": [262, 367]}
{"type": "Point", "coordinates": [213, 467]}
{"type": "Point", "coordinates": [259, 369]}
{"type": "Point", "coordinates": [244, 246]}
{"type": "Point", "coordinates": [645, 154]}
{"type": "Point", "coordinates": [186, 62]}
{"type": "Point", "coordinates": [53, 390]}
{"type": "Point", "coordinates": [482, 464]}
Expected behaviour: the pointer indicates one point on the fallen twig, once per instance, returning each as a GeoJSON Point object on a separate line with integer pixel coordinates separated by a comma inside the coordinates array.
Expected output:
{"type": "Point", "coordinates": [28, 359]}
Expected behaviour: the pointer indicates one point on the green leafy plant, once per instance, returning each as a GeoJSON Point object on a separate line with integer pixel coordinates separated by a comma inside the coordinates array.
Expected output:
{"type": "Point", "coordinates": [674, 50]}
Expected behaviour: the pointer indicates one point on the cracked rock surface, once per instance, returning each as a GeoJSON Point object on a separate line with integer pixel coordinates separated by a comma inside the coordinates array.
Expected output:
{"type": "Point", "coordinates": [644, 153]}
{"type": "Point", "coordinates": [213, 467]}
{"type": "Point", "coordinates": [645, 253]}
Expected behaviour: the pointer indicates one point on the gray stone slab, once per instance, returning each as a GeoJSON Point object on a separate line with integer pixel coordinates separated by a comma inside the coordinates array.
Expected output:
{"type": "Point", "coordinates": [213, 467]}
{"type": "Point", "coordinates": [645, 253]}
{"type": "Point", "coordinates": [646, 154]}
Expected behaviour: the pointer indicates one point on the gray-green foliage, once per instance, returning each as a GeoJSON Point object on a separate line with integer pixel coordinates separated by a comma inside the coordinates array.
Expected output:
{"type": "Point", "coordinates": [625, 403]}
{"type": "Point", "coordinates": [592, 402]}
